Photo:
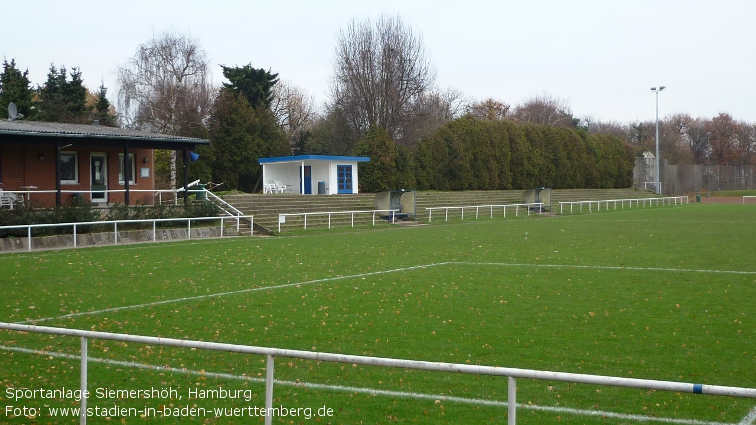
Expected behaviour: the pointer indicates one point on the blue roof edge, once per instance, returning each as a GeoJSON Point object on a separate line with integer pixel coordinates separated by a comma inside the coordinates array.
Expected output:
{"type": "Point", "coordinates": [313, 157]}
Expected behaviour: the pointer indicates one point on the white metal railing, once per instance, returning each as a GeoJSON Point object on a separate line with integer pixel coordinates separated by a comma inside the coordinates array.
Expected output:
{"type": "Point", "coordinates": [157, 194]}
{"type": "Point", "coordinates": [511, 373]}
{"type": "Point", "coordinates": [748, 197]}
{"type": "Point", "coordinates": [115, 223]}
{"type": "Point", "coordinates": [227, 208]}
{"type": "Point", "coordinates": [282, 217]}
{"type": "Point", "coordinates": [639, 202]}
{"type": "Point", "coordinates": [527, 206]}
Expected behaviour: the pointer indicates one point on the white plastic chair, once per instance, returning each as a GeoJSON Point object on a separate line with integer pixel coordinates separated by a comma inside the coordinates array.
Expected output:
{"type": "Point", "coordinates": [6, 199]}
{"type": "Point", "coordinates": [270, 187]}
{"type": "Point", "coordinates": [279, 187]}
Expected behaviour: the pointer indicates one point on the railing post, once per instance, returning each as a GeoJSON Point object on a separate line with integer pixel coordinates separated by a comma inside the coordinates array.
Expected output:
{"type": "Point", "coordinates": [83, 399]}
{"type": "Point", "coordinates": [74, 235]}
{"type": "Point", "coordinates": [511, 400]}
{"type": "Point", "coordinates": [28, 232]}
{"type": "Point", "coordinates": [269, 391]}
{"type": "Point", "coordinates": [329, 221]}
{"type": "Point", "coordinates": [115, 233]}
{"type": "Point", "coordinates": [154, 231]}
{"type": "Point", "coordinates": [221, 232]}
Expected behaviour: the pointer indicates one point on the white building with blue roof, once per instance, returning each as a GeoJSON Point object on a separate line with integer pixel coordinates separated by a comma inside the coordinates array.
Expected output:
{"type": "Point", "coordinates": [311, 174]}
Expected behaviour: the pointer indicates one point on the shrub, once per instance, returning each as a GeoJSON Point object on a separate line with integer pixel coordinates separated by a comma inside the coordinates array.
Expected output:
{"type": "Point", "coordinates": [79, 212]}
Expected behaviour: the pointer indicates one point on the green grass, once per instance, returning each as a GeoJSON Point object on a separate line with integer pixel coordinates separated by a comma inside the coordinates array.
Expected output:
{"type": "Point", "coordinates": [642, 293]}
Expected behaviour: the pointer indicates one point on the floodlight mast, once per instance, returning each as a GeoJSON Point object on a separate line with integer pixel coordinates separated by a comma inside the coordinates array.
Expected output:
{"type": "Point", "coordinates": [658, 180]}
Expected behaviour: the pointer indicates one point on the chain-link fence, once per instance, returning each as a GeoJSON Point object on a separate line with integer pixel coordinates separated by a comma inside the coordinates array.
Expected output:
{"type": "Point", "coordinates": [678, 179]}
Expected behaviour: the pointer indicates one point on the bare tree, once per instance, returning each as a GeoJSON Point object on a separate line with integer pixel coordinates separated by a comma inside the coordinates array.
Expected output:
{"type": "Point", "coordinates": [723, 134]}
{"type": "Point", "coordinates": [431, 111]}
{"type": "Point", "coordinates": [381, 73]}
{"type": "Point", "coordinates": [166, 88]}
{"type": "Point", "coordinates": [489, 109]}
{"type": "Point", "coordinates": [621, 131]}
{"type": "Point", "coordinates": [294, 109]}
{"type": "Point", "coordinates": [746, 143]}
{"type": "Point", "coordinates": [544, 110]}
{"type": "Point", "coordinates": [697, 136]}
{"type": "Point", "coordinates": [674, 140]}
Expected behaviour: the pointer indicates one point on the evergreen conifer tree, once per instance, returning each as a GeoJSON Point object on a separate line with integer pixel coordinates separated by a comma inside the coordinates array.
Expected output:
{"type": "Point", "coordinates": [61, 100]}
{"type": "Point", "coordinates": [15, 87]}
{"type": "Point", "coordinates": [102, 108]}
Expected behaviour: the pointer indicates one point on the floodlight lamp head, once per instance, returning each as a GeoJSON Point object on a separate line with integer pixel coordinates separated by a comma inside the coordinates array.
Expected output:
{"type": "Point", "coordinates": [653, 88]}
{"type": "Point", "coordinates": [662, 88]}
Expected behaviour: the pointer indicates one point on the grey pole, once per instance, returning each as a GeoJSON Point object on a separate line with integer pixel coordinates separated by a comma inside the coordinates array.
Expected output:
{"type": "Point", "coordinates": [658, 179]}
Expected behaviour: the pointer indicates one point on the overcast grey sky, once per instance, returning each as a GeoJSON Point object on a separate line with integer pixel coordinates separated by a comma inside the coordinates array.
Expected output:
{"type": "Point", "coordinates": [601, 56]}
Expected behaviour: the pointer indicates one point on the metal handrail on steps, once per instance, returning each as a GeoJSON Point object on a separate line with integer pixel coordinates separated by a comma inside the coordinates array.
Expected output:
{"type": "Point", "coordinates": [235, 211]}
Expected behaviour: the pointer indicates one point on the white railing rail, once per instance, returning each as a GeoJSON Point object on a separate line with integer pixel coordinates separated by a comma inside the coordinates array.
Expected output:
{"type": "Point", "coordinates": [227, 208]}
{"type": "Point", "coordinates": [282, 217]}
{"type": "Point", "coordinates": [748, 197]}
{"type": "Point", "coordinates": [511, 373]}
{"type": "Point", "coordinates": [115, 224]}
{"type": "Point", "coordinates": [157, 197]}
{"type": "Point", "coordinates": [639, 203]}
{"type": "Point", "coordinates": [528, 206]}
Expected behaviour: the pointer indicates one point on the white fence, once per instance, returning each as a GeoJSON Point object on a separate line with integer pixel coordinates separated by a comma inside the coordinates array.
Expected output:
{"type": "Point", "coordinates": [748, 197]}
{"type": "Point", "coordinates": [76, 226]}
{"type": "Point", "coordinates": [329, 214]}
{"type": "Point", "coordinates": [511, 373]}
{"type": "Point", "coordinates": [533, 205]}
{"type": "Point", "coordinates": [158, 195]}
{"type": "Point", "coordinates": [639, 203]}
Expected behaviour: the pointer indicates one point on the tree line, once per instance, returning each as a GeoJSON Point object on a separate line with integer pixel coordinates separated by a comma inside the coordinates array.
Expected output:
{"type": "Point", "coordinates": [720, 140]}
{"type": "Point", "coordinates": [384, 103]}
{"type": "Point", "coordinates": [62, 98]}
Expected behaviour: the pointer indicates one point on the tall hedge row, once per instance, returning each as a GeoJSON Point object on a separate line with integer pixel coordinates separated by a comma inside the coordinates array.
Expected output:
{"type": "Point", "coordinates": [470, 154]}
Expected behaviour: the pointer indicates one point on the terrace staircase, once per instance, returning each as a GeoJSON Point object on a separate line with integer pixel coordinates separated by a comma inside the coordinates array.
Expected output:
{"type": "Point", "coordinates": [266, 207]}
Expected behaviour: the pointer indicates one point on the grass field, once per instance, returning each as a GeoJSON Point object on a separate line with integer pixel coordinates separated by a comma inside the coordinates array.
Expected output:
{"type": "Point", "coordinates": [659, 293]}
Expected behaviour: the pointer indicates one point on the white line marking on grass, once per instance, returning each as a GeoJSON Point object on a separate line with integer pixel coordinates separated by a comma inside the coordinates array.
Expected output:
{"type": "Point", "coordinates": [223, 294]}
{"type": "Point", "coordinates": [372, 391]}
{"type": "Point", "coordinates": [401, 269]}
{"type": "Point", "coordinates": [749, 419]}
{"type": "Point", "coordinates": [578, 266]}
